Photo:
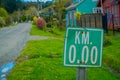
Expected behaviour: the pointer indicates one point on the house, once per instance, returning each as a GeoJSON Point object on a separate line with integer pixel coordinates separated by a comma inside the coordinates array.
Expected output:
{"type": "Point", "coordinates": [82, 6]}
{"type": "Point", "coordinates": [112, 9]}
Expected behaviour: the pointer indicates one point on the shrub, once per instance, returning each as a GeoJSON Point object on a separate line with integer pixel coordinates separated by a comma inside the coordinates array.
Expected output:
{"type": "Point", "coordinates": [41, 23]}
{"type": "Point", "coordinates": [23, 18]}
{"type": "Point", "coordinates": [77, 15]}
{"type": "Point", "coordinates": [107, 42]}
{"type": "Point", "coordinates": [2, 22]}
{"type": "Point", "coordinates": [8, 20]}
{"type": "Point", "coordinates": [3, 13]}
{"type": "Point", "coordinates": [34, 20]}
{"type": "Point", "coordinates": [49, 25]}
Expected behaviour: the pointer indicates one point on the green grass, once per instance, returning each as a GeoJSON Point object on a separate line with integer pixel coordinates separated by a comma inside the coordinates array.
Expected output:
{"type": "Point", "coordinates": [43, 60]}
{"type": "Point", "coordinates": [12, 25]}
{"type": "Point", "coordinates": [40, 65]}
{"type": "Point", "coordinates": [36, 63]}
{"type": "Point", "coordinates": [112, 54]}
{"type": "Point", "coordinates": [55, 32]}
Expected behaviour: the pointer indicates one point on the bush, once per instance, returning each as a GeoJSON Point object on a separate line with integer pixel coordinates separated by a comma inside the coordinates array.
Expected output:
{"type": "Point", "coordinates": [107, 42]}
{"type": "Point", "coordinates": [49, 25]}
{"type": "Point", "coordinates": [41, 23]}
{"type": "Point", "coordinates": [77, 15]}
{"type": "Point", "coordinates": [2, 22]}
{"type": "Point", "coordinates": [3, 13]}
{"type": "Point", "coordinates": [23, 18]}
{"type": "Point", "coordinates": [8, 20]}
{"type": "Point", "coordinates": [34, 20]}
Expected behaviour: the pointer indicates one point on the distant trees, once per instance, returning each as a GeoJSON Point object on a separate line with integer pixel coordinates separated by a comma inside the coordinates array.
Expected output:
{"type": "Point", "coordinates": [16, 11]}
{"type": "Point", "coordinates": [3, 16]}
{"type": "Point", "coordinates": [24, 15]}
{"type": "Point", "coordinates": [60, 9]}
{"type": "Point", "coordinates": [11, 5]}
{"type": "Point", "coordinates": [3, 13]}
{"type": "Point", "coordinates": [55, 13]}
{"type": "Point", "coordinates": [24, 11]}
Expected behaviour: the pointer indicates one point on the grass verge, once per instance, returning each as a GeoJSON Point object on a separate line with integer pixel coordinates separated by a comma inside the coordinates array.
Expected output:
{"type": "Point", "coordinates": [43, 60]}
{"type": "Point", "coordinates": [112, 54]}
{"type": "Point", "coordinates": [51, 32]}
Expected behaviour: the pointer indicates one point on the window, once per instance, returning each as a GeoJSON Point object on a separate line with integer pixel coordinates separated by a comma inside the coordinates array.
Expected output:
{"type": "Point", "coordinates": [72, 18]}
{"type": "Point", "coordinates": [97, 10]}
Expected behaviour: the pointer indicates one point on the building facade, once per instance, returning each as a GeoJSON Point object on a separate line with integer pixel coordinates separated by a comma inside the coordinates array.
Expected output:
{"type": "Point", "coordinates": [82, 6]}
{"type": "Point", "coordinates": [112, 9]}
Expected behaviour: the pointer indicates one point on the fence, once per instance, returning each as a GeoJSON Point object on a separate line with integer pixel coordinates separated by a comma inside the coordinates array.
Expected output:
{"type": "Point", "coordinates": [90, 20]}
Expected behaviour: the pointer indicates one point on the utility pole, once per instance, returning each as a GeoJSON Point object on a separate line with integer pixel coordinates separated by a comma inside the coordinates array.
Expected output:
{"type": "Point", "coordinates": [38, 8]}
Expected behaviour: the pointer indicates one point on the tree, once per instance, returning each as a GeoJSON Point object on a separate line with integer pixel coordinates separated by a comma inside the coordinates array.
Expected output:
{"type": "Point", "coordinates": [2, 22]}
{"type": "Point", "coordinates": [16, 15]}
{"type": "Point", "coordinates": [3, 13]}
{"type": "Point", "coordinates": [33, 11]}
{"type": "Point", "coordinates": [60, 9]}
{"type": "Point", "coordinates": [11, 5]}
{"type": "Point", "coordinates": [30, 13]}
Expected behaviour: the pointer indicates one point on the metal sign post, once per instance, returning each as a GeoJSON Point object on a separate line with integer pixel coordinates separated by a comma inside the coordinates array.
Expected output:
{"type": "Point", "coordinates": [81, 73]}
{"type": "Point", "coordinates": [83, 48]}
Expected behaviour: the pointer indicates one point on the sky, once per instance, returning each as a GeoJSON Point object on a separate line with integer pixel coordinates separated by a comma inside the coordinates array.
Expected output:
{"type": "Point", "coordinates": [39, 0]}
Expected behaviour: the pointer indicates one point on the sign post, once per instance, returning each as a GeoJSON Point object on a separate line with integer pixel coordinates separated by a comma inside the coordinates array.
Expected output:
{"type": "Point", "coordinates": [81, 74]}
{"type": "Point", "coordinates": [83, 48]}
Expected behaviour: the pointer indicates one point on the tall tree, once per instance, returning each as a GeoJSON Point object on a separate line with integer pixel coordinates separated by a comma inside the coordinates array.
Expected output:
{"type": "Point", "coordinates": [11, 5]}
{"type": "Point", "coordinates": [59, 7]}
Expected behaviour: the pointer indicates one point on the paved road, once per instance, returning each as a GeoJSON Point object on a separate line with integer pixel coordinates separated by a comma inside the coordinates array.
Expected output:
{"type": "Point", "coordinates": [12, 40]}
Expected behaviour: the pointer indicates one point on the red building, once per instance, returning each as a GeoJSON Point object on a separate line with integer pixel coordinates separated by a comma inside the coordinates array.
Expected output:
{"type": "Point", "coordinates": [112, 8]}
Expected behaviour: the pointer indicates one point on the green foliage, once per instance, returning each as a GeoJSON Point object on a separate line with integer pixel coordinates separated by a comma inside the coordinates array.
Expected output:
{"type": "Point", "coordinates": [11, 5]}
{"type": "Point", "coordinates": [49, 25]}
{"type": "Point", "coordinates": [43, 60]}
{"type": "Point", "coordinates": [9, 20]}
{"type": "Point", "coordinates": [77, 15]}
{"type": "Point", "coordinates": [42, 67]}
{"type": "Point", "coordinates": [55, 32]}
{"type": "Point", "coordinates": [3, 13]}
{"type": "Point", "coordinates": [35, 63]}
{"type": "Point", "coordinates": [112, 54]}
{"type": "Point", "coordinates": [23, 18]}
{"type": "Point", "coordinates": [59, 7]}
{"type": "Point", "coordinates": [107, 41]}
{"type": "Point", "coordinates": [2, 22]}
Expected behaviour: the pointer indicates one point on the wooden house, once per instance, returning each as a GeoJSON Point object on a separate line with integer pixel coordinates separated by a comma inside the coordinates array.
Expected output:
{"type": "Point", "coordinates": [82, 6]}
{"type": "Point", "coordinates": [112, 9]}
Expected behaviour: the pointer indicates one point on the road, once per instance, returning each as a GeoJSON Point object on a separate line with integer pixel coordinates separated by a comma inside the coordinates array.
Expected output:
{"type": "Point", "coordinates": [12, 40]}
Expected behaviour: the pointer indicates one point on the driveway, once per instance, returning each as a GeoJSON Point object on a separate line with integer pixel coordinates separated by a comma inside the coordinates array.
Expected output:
{"type": "Point", "coordinates": [12, 40]}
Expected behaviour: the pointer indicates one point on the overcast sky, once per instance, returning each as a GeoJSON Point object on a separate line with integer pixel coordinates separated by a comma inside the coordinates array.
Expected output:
{"type": "Point", "coordinates": [39, 0]}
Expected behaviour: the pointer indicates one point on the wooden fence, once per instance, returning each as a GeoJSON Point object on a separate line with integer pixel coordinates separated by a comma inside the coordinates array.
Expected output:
{"type": "Point", "coordinates": [90, 20]}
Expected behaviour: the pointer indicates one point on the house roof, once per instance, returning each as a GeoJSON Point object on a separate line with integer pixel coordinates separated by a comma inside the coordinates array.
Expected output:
{"type": "Point", "coordinates": [72, 6]}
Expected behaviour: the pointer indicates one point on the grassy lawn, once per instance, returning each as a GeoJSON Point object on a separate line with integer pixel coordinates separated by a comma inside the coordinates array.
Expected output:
{"type": "Point", "coordinates": [43, 60]}
{"type": "Point", "coordinates": [52, 32]}
{"type": "Point", "coordinates": [112, 53]}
